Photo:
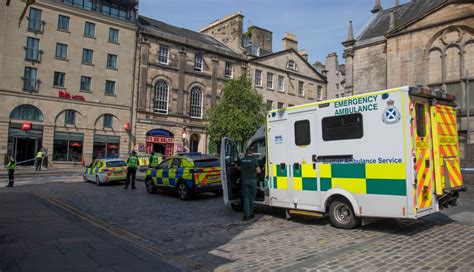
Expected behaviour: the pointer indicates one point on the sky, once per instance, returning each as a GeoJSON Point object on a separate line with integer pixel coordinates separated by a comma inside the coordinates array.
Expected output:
{"type": "Point", "coordinates": [320, 25]}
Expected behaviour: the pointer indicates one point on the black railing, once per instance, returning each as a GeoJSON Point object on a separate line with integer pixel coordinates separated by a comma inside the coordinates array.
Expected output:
{"type": "Point", "coordinates": [31, 84]}
{"type": "Point", "coordinates": [33, 54]}
{"type": "Point", "coordinates": [35, 25]}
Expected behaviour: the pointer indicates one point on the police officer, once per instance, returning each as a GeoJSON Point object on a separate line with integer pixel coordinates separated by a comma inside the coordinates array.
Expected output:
{"type": "Point", "coordinates": [154, 160]}
{"type": "Point", "coordinates": [249, 170]}
{"type": "Point", "coordinates": [39, 159]}
{"type": "Point", "coordinates": [11, 166]}
{"type": "Point", "coordinates": [132, 164]}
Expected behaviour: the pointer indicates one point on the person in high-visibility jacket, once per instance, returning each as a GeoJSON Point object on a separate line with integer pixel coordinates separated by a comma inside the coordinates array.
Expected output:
{"type": "Point", "coordinates": [11, 166]}
{"type": "Point", "coordinates": [154, 160]}
{"type": "Point", "coordinates": [39, 159]}
{"type": "Point", "coordinates": [132, 164]}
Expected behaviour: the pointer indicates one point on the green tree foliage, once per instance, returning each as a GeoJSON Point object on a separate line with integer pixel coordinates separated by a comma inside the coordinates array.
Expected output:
{"type": "Point", "coordinates": [238, 113]}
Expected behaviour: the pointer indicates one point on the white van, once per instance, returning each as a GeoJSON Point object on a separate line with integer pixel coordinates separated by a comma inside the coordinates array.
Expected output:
{"type": "Point", "coordinates": [392, 153]}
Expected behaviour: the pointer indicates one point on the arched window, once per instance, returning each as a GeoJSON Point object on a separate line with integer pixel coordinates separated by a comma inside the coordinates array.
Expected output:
{"type": "Point", "coordinates": [160, 100]}
{"type": "Point", "coordinates": [194, 143]}
{"type": "Point", "coordinates": [195, 110]}
{"type": "Point", "coordinates": [27, 112]}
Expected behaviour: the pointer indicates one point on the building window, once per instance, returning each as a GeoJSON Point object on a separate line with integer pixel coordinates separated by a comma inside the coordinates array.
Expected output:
{"type": "Point", "coordinates": [68, 146]}
{"type": "Point", "coordinates": [160, 101]}
{"type": "Point", "coordinates": [270, 81]}
{"type": "Point", "coordinates": [34, 20]}
{"type": "Point", "coordinates": [89, 30]}
{"type": "Point", "coordinates": [301, 88]}
{"type": "Point", "coordinates": [291, 65]}
{"type": "Point", "coordinates": [106, 146]}
{"type": "Point", "coordinates": [61, 51]}
{"type": "Point", "coordinates": [258, 77]}
{"type": "Point", "coordinates": [319, 93]}
{"type": "Point", "coordinates": [114, 10]}
{"type": "Point", "coordinates": [195, 110]}
{"type": "Point", "coordinates": [342, 127]}
{"type": "Point", "coordinates": [164, 54]}
{"type": "Point", "coordinates": [32, 49]}
{"type": "Point", "coordinates": [198, 61]}
{"type": "Point", "coordinates": [87, 56]}
{"type": "Point", "coordinates": [70, 117]}
{"type": "Point", "coordinates": [269, 104]}
{"type": "Point", "coordinates": [86, 83]}
{"type": "Point", "coordinates": [281, 84]}
{"type": "Point", "coordinates": [280, 105]}
{"type": "Point", "coordinates": [337, 86]}
{"type": "Point", "coordinates": [63, 23]}
{"type": "Point", "coordinates": [110, 87]}
{"type": "Point", "coordinates": [229, 69]}
{"type": "Point", "coordinates": [27, 112]}
{"type": "Point", "coordinates": [302, 133]}
{"type": "Point", "coordinates": [59, 79]}
{"type": "Point", "coordinates": [108, 121]}
{"type": "Point", "coordinates": [111, 61]}
{"type": "Point", "coordinates": [113, 35]}
{"type": "Point", "coordinates": [30, 81]}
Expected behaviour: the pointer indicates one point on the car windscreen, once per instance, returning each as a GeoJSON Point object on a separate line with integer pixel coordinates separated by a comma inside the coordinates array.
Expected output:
{"type": "Point", "coordinates": [116, 164]}
{"type": "Point", "coordinates": [207, 163]}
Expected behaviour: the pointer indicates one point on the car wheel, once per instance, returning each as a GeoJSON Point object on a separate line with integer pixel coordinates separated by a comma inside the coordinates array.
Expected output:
{"type": "Point", "coordinates": [183, 191]}
{"type": "Point", "coordinates": [342, 215]}
{"type": "Point", "coordinates": [97, 180]}
{"type": "Point", "coordinates": [150, 186]}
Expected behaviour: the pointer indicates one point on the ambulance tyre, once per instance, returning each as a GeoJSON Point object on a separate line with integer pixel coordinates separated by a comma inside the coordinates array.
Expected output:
{"type": "Point", "coordinates": [183, 191]}
{"type": "Point", "coordinates": [150, 186]}
{"type": "Point", "coordinates": [342, 215]}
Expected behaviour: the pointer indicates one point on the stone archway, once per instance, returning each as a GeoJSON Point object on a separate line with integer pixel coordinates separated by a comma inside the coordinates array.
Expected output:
{"type": "Point", "coordinates": [194, 143]}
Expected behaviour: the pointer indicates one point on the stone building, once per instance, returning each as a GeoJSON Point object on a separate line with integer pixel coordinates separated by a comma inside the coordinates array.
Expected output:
{"type": "Point", "coordinates": [335, 75]}
{"type": "Point", "coordinates": [66, 79]}
{"type": "Point", "coordinates": [284, 78]}
{"type": "Point", "coordinates": [421, 42]}
{"type": "Point", "coordinates": [180, 75]}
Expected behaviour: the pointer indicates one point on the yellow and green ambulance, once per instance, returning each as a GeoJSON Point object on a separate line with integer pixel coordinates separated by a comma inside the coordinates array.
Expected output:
{"type": "Point", "coordinates": [386, 154]}
{"type": "Point", "coordinates": [187, 174]}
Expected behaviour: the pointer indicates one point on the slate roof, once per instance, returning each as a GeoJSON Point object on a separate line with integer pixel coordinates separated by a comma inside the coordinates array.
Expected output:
{"type": "Point", "coordinates": [182, 32]}
{"type": "Point", "coordinates": [404, 14]}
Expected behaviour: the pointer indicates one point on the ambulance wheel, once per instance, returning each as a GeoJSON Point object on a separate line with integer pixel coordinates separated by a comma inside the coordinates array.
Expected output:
{"type": "Point", "coordinates": [342, 215]}
{"type": "Point", "coordinates": [150, 186]}
{"type": "Point", "coordinates": [183, 191]}
{"type": "Point", "coordinates": [97, 180]}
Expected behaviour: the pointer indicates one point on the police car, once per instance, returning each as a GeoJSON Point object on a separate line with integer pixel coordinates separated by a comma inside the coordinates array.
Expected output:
{"type": "Point", "coordinates": [106, 170]}
{"type": "Point", "coordinates": [186, 173]}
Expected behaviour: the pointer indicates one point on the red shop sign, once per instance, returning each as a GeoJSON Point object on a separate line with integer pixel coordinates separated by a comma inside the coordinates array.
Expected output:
{"type": "Point", "coordinates": [76, 144]}
{"type": "Point", "coordinates": [113, 146]}
{"type": "Point", "coordinates": [26, 126]}
{"type": "Point", "coordinates": [161, 140]}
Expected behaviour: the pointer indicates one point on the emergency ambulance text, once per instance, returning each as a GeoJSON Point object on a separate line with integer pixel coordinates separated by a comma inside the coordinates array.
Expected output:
{"type": "Point", "coordinates": [361, 104]}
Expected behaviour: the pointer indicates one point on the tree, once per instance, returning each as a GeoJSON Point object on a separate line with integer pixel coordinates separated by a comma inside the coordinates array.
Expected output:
{"type": "Point", "coordinates": [238, 113]}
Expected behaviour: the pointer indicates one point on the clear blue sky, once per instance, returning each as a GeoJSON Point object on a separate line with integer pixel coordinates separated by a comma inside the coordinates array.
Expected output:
{"type": "Point", "coordinates": [320, 25]}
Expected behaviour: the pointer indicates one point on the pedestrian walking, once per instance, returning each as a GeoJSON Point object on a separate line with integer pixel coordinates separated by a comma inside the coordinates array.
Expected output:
{"type": "Point", "coordinates": [39, 159]}
{"type": "Point", "coordinates": [132, 164]}
{"type": "Point", "coordinates": [154, 160]}
{"type": "Point", "coordinates": [249, 170]}
{"type": "Point", "coordinates": [11, 166]}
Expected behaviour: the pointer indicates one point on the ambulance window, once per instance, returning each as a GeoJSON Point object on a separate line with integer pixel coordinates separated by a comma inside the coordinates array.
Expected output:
{"type": "Point", "coordinates": [302, 133]}
{"type": "Point", "coordinates": [420, 120]}
{"type": "Point", "coordinates": [343, 127]}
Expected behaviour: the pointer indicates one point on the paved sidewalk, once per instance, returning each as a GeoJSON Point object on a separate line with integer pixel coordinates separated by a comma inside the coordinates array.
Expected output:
{"type": "Point", "coordinates": [36, 235]}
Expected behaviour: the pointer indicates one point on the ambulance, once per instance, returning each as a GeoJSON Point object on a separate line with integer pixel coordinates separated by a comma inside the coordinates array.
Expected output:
{"type": "Point", "coordinates": [386, 154]}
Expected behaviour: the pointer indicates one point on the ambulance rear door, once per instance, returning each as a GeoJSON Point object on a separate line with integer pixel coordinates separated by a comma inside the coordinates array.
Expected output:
{"type": "Point", "coordinates": [229, 157]}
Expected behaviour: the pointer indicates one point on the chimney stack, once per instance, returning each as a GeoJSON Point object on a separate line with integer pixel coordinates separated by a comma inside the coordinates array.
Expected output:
{"type": "Point", "coordinates": [377, 7]}
{"type": "Point", "coordinates": [397, 3]}
{"type": "Point", "coordinates": [289, 41]}
{"type": "Point", "coordinates": [391, 26]}
{"type": "Point", "coordinates": [303, 53]}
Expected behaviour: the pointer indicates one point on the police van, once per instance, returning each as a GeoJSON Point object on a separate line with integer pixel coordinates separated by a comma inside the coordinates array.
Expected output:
{"type": "Point", "coordinates": [386, 154]}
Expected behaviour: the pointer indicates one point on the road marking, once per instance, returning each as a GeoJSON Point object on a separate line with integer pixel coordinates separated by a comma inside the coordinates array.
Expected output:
{"type": "Point", "coordinates": [167, 254]}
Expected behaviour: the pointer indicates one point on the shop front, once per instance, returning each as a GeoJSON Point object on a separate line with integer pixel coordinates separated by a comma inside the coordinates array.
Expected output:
{"type": "Point", "coordinates": [161, 141]}
{"type": "Point", "coordinates": [106, 146]}
{"type": "Point", "coordinates": [68, 147]}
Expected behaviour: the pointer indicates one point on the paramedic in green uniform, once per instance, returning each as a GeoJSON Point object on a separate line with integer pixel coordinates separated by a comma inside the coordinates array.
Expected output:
{"type": "Point", "coordinates": [132, 164]}
{"type": "Point", "coordinates": [249, 170]}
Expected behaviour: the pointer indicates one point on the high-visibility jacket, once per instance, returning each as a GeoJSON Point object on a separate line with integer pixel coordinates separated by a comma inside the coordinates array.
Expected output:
{"type": "Point", "coordinates": [132, 161]}
{"type": "Point", "coordinates": [39, 155]}
{"type": "Point", "coordinates": [11, 164]}
{"type": "Point", "coordinates": [154, 160]}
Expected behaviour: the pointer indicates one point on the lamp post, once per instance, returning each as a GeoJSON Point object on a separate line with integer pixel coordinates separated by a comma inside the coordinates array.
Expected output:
{"type": "Point", "coordinates": [184, 135]}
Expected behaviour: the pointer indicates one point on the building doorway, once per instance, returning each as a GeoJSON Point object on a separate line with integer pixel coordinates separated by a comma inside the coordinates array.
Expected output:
{"type": "Point", "coordinates": [161, 141]}
{"type": "Point", "coordinates": [25, 149]}
{"type": "Point", "coordinates": [159, 148]}
{"type": "Point", "coordinates": [194, 143]}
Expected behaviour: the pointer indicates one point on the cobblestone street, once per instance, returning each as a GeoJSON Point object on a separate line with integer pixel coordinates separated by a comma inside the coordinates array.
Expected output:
{"type": "Point", "coordinates": [211, 236]}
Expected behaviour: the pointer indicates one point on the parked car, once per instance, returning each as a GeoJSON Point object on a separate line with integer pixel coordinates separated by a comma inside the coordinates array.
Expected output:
{"type": "Point", "coordinates": [187, 174]}
{"type": "Point", "coordinates": [106, 170]}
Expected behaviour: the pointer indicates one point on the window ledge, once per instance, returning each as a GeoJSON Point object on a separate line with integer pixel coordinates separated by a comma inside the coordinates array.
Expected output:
{"type": "Point", "coordinates": [59, 87]}
{"type": "Point", "coordinates": [112, 68]}
{"type": "Point", "coordinates": [90, 37]}
{"type": "Point", "coordinates": [258, 86]}
{"type": "Point", "coordinates": [85, 91]}
{"type": "Point", "coordinates": [63, 30]}
{"type": "Point", "coordinates": [62, 59]}
{"type": "Point", "coordinates": [112, 42]}
{"type": "Point", "coordinates": [88, 64]}
{"type": "Point", "coordinates": [280, 91]}
{"type": "Point", "coordinates": [111, 95]}
{"type": "Point", "coordinates": [270, 89]}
